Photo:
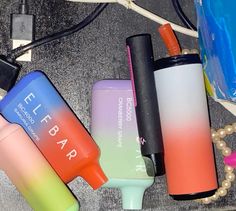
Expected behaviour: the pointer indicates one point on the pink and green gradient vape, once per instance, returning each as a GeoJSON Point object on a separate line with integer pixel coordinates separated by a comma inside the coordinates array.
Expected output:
{"type": "Point", "coordinates": [114, 128]}
{"type": "Point", "coordinates": [30, 172]}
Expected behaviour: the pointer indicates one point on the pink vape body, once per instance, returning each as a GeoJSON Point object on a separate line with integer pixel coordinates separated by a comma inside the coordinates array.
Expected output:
{"type": "Point", "coordinates": [31, 173]}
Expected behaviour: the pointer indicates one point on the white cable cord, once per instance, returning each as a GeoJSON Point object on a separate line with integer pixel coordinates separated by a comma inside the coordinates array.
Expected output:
{"type": "Point", "coordinates": [130, 5]}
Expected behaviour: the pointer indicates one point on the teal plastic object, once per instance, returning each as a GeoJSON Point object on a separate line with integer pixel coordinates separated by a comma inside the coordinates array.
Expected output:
{"type": "Point", "coordinates": [217, 33]}
{"type": "Point", "coordinates": [132, 191]}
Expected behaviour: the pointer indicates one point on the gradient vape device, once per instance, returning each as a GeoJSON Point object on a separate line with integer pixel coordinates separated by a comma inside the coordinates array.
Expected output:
{"type": "Point", "coordinates": [35, 104]}
{"type": "Point", "coordinates": [141, 63]}
{"type": "Point", "coordinates": [114, 128]}
{"type": "Point", "coordinates": [189, 157]}
{"type": "Point", "coordinates": [30, 172]}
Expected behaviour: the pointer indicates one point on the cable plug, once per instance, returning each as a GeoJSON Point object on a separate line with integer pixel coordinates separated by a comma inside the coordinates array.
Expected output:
{"type": "Point", "coordinates": [8, 74]}
{"type": "Point", "coordinates": [22, 29]}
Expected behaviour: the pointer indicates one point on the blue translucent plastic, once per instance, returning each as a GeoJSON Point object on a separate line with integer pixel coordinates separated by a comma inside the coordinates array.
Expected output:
{"type": "Point", "coordinates": [217, 39]}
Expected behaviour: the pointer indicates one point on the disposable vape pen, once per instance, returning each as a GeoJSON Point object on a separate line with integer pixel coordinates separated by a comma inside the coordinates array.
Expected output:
{"type": "Point", "coordinates": [35, 104]}
{"type": "Point", "coordinates": [114, 128]}
{"type": "Point", "coordinates": [141, 62]}
{"type": "Point", "coordinates": [30, 172]}
{"type": "Point", "coordinates": [189, 158]}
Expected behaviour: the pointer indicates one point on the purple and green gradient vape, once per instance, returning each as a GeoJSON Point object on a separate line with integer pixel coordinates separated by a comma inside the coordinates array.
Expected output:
{"type": "Point", "coordinates": [114, 128]}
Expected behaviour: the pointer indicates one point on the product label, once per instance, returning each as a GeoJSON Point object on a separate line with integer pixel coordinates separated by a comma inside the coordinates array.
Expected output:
{"type": "Point", "coordinates": [51, 124]}
{"type": "Point", "coordinates": [125, 117]}
{"type": "Point", "coordinates": [114, 128]}
{"type": "Point", "coordinates": [32, 112]}
{"type": "Point", "coordinates": [26, 119]}
{"type": "Point", "coordinates": [125, 112]}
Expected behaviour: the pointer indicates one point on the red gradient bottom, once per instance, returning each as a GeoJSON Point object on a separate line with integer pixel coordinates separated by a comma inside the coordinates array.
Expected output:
{"type": "Point", "coordinates": [189, 160]}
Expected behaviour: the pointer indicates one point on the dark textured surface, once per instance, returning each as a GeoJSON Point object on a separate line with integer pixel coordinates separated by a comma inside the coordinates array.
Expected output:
{"type": "Point", "coordinates": [98, 52]}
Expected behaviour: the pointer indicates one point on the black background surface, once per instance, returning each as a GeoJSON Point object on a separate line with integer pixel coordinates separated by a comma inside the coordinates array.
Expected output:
{"type": "Point", "coordinates": [98, 52]}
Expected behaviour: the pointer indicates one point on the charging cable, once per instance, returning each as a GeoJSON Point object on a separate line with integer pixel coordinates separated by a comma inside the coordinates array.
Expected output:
{"type": "Point", "coordinates": [9, 68]}
{"type": "Point", "coordinates": [129, 4]}
{"type": "Point", "coordinates": [185, 20]}
{"type": "Point", "coordinates": [15, 53]}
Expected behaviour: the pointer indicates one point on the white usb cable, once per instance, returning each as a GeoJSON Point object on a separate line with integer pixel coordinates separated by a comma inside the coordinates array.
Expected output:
{"type": "Point", "coordinates": [129, 4]}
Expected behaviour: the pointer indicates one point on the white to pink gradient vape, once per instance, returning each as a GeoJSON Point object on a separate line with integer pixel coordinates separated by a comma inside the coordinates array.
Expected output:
{"type": "Point", "coordinates": [189, 158]}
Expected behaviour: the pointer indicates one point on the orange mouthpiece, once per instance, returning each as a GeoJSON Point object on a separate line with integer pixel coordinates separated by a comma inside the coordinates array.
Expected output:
{"type": "Point", "coordinates": [170, 40]}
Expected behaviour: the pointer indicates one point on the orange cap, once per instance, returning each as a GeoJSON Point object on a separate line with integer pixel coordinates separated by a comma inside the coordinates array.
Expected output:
{"type": "Point", "coordinates": [170, 40]}
{"type": "Point", "coordinates": [94, 175]}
